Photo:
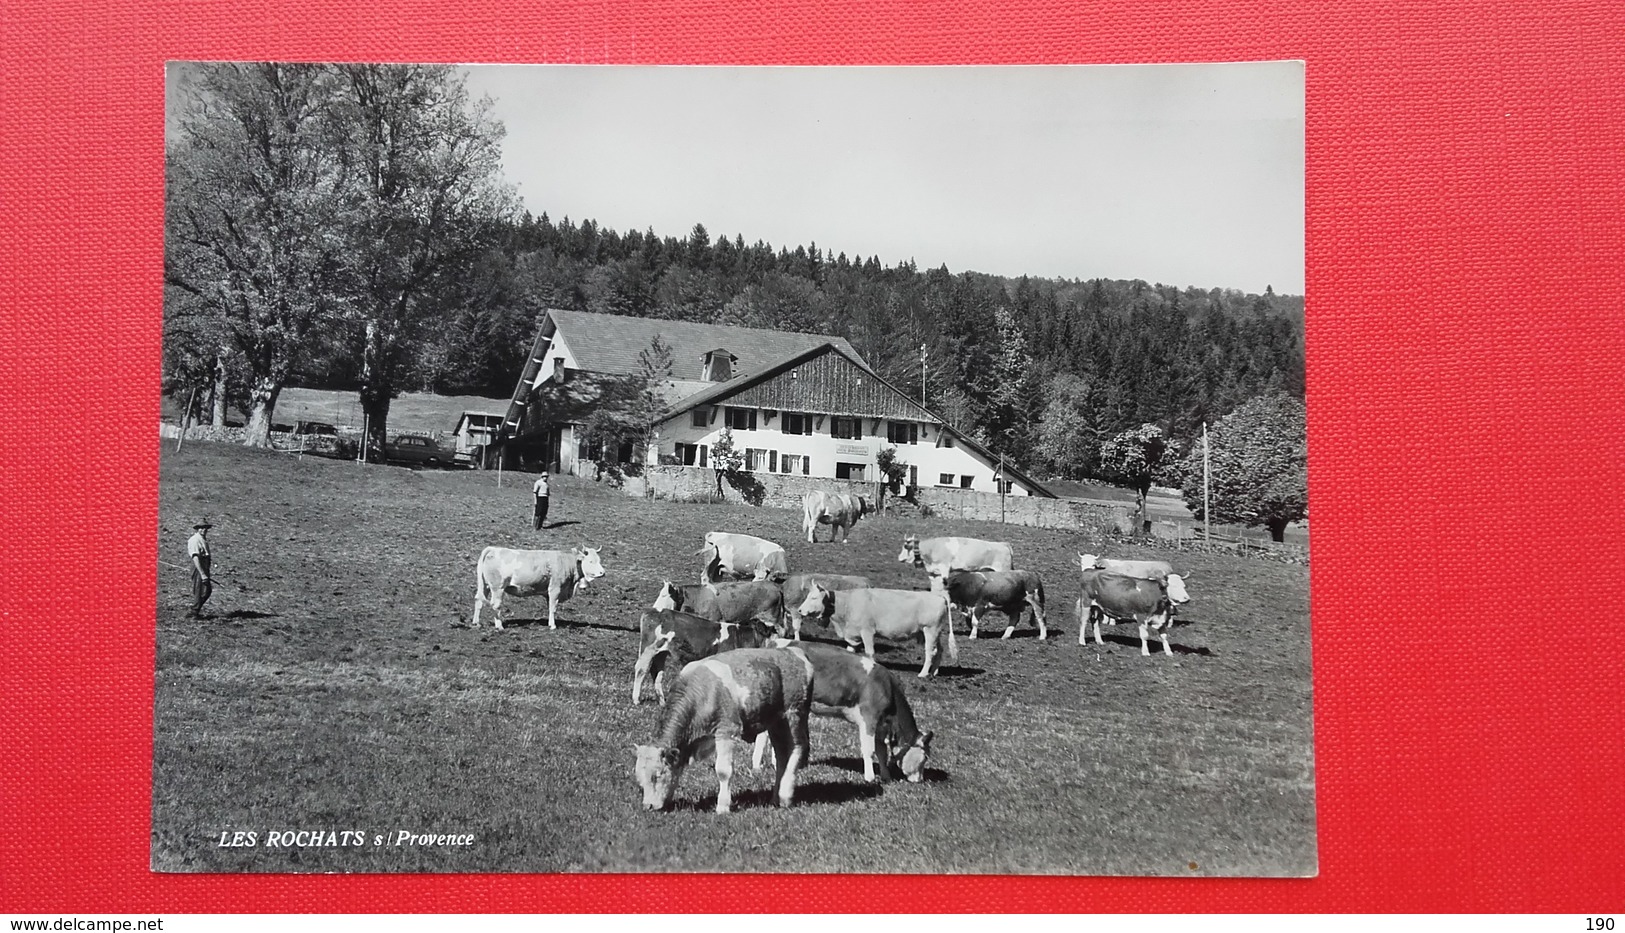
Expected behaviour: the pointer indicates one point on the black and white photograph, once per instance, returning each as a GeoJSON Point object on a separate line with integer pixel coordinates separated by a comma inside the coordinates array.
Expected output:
{"type": "Point", "coordinates": [893, 470]}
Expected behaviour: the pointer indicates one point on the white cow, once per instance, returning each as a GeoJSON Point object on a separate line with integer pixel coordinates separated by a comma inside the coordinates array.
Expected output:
{"type": "Point", "coordinates": [731, 556]}
{"type": "Point", "coordinates": [942, 556]}
{"type": "Point", "coordinates": [504, 571]}
{"type": "Point", "coordinates": [840, 511]}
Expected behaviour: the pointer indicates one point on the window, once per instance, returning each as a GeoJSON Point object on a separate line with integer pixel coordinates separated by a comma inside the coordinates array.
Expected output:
{"type": "Point", "coordinates": [945, 479]}
{"type": "Point", "coordinates": [794, 422]}
{"type": "Point", "coordinates": [847, 428]}
{"type": "Point", "coordinates": [852, 471]}
{"type": "Point", "coordinates": [700, 417]}
{"type": "Point", "coordinates": [1004, 486]}
{"type": "Point", "coordinates": [795, 463]}
{"type": "Point", "coordinates": [902, 432]}
{"type": "Point", "coordinates": [758, 460]}
{"type": "Point", "coordinates": [691, 454]}
{"type": "Point", "coordinates": [741, 419]}
{"type": "Point", "coordinates": [965, 481]}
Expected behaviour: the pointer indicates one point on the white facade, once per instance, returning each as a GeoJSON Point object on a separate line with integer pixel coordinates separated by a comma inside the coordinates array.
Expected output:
{"type": "Point", "coordinates": [950, 465]}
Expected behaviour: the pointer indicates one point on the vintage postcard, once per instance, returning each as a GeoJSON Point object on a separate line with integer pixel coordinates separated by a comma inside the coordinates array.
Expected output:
{"type": "Point", "coordinates": [714, 469]}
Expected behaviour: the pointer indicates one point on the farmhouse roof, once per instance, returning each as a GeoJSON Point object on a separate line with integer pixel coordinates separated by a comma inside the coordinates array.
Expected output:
{"type": "Point", "coordinates": [467, 416]}
{"type": "Point", "coordinates": [610, 343]}
{"type": "Point", "coordinates": [724, 390]}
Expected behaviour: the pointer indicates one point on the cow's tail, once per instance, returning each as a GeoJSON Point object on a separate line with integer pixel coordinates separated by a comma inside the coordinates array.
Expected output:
{"type": "Point", "coordinates": [948, 623]}
{"type": "Point", "coordinates": [480, 595]}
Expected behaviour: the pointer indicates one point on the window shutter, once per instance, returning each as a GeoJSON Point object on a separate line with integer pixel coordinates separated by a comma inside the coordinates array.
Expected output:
{"type": "Point", "coordinates": [753, 419]}
{"type": "Point", "coordinates": [772, 461]}
{"type": "Point", "coordinates": [806, 466]}
{"type": "Point", "coordinates": [702, 455]}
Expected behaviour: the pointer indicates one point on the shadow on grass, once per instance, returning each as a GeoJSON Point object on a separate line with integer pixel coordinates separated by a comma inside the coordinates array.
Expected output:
{"type": "Point", "coordinates": [548, 526]}
{"type": "Point", "coordinates": [248, 614]}
{"type": "Point", "coordinates": [812, 793]}
{"type": "Point", "coordinates": [946, 670]}
{"type": "Point", "coordinates": [1133, 641]}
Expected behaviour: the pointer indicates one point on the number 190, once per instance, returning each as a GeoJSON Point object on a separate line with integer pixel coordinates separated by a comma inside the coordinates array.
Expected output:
{"type": "Point", "coordinates": [1599, 923]}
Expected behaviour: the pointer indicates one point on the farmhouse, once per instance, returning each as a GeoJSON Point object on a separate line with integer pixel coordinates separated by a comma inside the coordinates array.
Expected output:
{"type": "Point", "coordinates": [804, 404]}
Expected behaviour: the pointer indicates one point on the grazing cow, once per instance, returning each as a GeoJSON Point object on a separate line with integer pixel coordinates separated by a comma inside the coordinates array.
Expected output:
{"type": "Point", "coordinates": [560, 574]}
{"type": "Point", "coordinates": [942, 556]}
{"type": "Point", "coordinates": [859, 615]}
{"type": "Point", "coordinates": [730, 698]}
{"type": "Point", "coordinates": [796, 587]}
{"type": "Point", "coordinates": [840, 511]}
{"type": "Point", "coordinates": [1145, 570]}
{"type": "Point", "coordinates": [1112, 596]}
{"type": "Point", "coordinates": [684, 637]}
{"type": "Point", "coordinates": [868, 696]}
{"type": "Point", "coordinates": [725, 602]}
{"type": "Point", "coordinates": [1009, 591]}
{"type": "Point", "coordinates": [731, 556]}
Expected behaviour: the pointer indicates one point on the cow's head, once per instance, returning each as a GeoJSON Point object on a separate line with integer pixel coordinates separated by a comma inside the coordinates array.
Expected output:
{"type": "Point", "coordinates": [657, 772]}
{"type": "Point", "coordinates": [591, 567]}
{"type": "Point", "coordinates": [911, 551]}
{"type": "Point", "coordinates": [911, 760]}
{"type": "Point", "coordinates": [670, 598]}
{"type": "Point", "coordinates": [1088, 561]}
{"type": "Point", "coordinates": [1176, 590]}
{"type": "Point", "coordinates": [819, 602]}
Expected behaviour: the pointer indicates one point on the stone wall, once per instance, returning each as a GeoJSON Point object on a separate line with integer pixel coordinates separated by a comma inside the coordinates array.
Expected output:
{"type": "Point", "coordinates": [324, 444]}
{"type": "Point", "coordinates": [785, 492]}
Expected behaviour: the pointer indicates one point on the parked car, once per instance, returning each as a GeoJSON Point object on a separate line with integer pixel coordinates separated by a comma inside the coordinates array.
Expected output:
{"type": "Point", "coordinates": [414, 448]}
{"type": "Point", "coordinates": [315, 427]}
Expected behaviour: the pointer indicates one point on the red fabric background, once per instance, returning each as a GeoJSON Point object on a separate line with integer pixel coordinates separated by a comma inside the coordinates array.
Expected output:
{"type": "Point", "coordinates": [1466, 163]}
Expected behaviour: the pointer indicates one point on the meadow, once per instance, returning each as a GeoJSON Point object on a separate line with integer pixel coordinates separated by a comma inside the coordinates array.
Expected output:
{"type": "Point", "coordinates": [335, 685]}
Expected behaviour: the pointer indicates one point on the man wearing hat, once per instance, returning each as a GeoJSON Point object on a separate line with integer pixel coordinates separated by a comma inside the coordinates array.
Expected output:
{"type": "Point", "coordinates": [197, 548]}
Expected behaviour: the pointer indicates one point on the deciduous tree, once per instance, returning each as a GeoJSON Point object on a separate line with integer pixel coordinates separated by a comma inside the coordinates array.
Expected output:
{"type": "Point", "coordinates": [1259, 471]}
{"type": "Point", "coordinates": [1132, 458]}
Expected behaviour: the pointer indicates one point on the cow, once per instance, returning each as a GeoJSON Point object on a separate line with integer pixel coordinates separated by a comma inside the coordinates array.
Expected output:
{"type": "Point", "coordinates": [796, 587]}
{"type": "Point", "coordinates": [725, 602]}
{"type": "Point", "coordinates": [1145, 570]}
{"type": "Point", "coordinates": [840, 511]}
{"type": "Point", "coordinates": [560, 574]}
{"type": "Point", "coordinates": [942, 556]}
{"type": "Point", "coordinates": [1009, 591]}
{"type": "Point", "coordinates": [859, 615]}
{"type": "Point", "coordinates": [664, 634]}
{"type": "Point", "coordinates": [1113, 597]}
{"type": "Point", "coordinates": [867, 695]}
{"type": "Point", "coordinates": [731, 556]}
{"type": "Point", "coordinates": [733, 697]}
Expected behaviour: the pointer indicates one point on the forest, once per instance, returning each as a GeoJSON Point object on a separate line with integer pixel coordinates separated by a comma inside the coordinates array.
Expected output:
{"type": "Point", "coordinates": [349, 227]}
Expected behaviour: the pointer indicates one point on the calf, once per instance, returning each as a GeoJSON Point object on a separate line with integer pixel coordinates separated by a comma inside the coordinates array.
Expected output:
{"type": "Point", "coordinates": [725, 602]}
{"type": "Point", "coordinates": [796, 587]}
{"type": "Point", "coordinates": [559, 574]}
{"type": "Point", "coordinates": [664, 636]}
{"type": "Point", "coordinates": [859, 615]}
{"type": "Point", "coordinates": [1009, 591]}
{"type": "Point", "coordinates": [729, 698]}
{"type": "Point", "coordinates": [868, 696]}
{"type": "Point", "coordinates": [1112, 596]}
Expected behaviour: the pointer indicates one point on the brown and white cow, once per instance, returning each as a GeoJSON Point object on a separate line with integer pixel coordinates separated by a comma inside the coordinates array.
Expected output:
{"type": "Point", "coordinates": [840, 511]}
{"type": "Point", "coordinates": [737, 557]}
{"type": "Point", "coordinates": [870, 697]}
{"type": "Point", "coordinates": [859, 615]}
{"type": "Point", "coordinates": [1012, 592]}
{"type": "Point", "coordinates": [733, 697]}
{"type": "Point", "coordinates": [674, 639]}
{"type": "Point", "coordinates": [726, 602]}
{"type": "Point", "coordinates": [1144, 569]}
{"type": "Point", "coordinates": [1112, 597]}
{"type": "Point", "coordinates": [504, 571]}
{"type": "Point", "coordinates": [796, 587]}
{"type": "Point", "coordinates": [942, 556]}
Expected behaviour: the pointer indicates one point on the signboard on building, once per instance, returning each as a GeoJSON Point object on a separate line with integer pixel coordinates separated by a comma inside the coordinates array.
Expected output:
{"type": "Point", "coordinates": [852, 450]}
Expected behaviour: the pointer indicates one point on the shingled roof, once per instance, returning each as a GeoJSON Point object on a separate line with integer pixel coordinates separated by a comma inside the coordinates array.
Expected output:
{"type": "Point", "coordinates": [610, 343]}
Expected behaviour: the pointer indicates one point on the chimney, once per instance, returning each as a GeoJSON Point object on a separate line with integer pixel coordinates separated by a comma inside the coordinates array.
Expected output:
{"type": "Point", "coordinates": [718, 366]}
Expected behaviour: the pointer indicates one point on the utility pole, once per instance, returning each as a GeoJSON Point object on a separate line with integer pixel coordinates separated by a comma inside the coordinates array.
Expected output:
{"type": "Point", "coordinates": [922, 375]}
{"type": "Point", "coordinates": [1207, 507]}
{"type": "Point", "coordinates": [1001, 488]}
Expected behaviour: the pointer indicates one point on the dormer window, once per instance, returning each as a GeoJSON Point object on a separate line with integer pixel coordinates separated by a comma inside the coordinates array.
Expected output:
{"type": "Point", "coordinates": [558, 369]}
{"type": "Point", "coordinates": [718, 366]}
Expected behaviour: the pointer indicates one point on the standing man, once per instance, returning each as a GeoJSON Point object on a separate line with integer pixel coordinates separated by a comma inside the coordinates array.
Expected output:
{"type": "Point", "coordinates": [540, 489]}
{"type": "Point", "coordinates": [197, 549]}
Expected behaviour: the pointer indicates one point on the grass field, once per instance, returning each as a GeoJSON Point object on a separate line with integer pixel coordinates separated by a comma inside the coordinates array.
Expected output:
{"type": "Point", "coordinates": [337, 686]}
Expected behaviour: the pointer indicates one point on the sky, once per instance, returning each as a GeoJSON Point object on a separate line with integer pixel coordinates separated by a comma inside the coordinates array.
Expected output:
{"type": "Point", "coordinates": [1187, 175]}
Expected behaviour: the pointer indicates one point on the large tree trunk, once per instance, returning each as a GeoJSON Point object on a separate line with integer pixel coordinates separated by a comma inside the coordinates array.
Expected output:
{"type": "Point", "coordinates": [218, 394]}
{"type": "Point", "coordinates": [1277, 527]}
{"type": "Point", "coordinates": [376, 407]}
{"type": "Point", "coordinates": [1139, 508]}
{"type": "Point", "coordinates": [261, 406]}
{"type": "Point", "coordinates": [377, 387]}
